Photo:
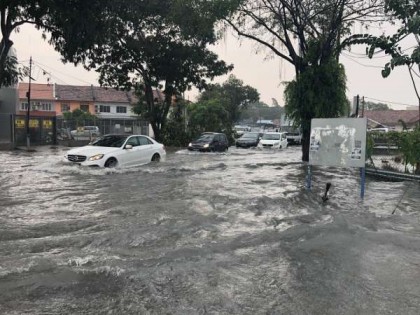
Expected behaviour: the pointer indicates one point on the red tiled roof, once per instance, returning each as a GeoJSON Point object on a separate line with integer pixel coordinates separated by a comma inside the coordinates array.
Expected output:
{"type": "Point", "coordinates": [391, 117]}
{"type": "Point", "coordinates": [81, 93]}
{"type": "Point", "coordinates": [111, 95]}
{"type": "Point", "coordinates": [38, 91]}
{"type": "Point", "coordinates": [73, 93]}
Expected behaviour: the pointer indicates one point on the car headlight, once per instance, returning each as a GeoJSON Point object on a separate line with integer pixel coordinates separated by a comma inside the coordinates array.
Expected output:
{"type": "Point", "coordinates": [190, 144]}
{"type": "Point", "coordinates": [206, 145]}
{"type": "Point", "coordinates": [96, 157]}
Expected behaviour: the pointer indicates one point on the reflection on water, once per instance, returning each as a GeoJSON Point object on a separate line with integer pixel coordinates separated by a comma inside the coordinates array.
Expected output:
{"type": "Point", "coordinates": [204, 233]}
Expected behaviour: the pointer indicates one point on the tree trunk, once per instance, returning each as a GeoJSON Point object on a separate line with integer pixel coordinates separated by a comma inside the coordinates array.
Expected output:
{"type": "Point", "coordinates": [156, 131]}
{"type": "Point", "coordinates": [306, 140]}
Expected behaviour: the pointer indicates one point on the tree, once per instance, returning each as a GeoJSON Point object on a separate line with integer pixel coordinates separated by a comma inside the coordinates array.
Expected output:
{"type": "Point", "coordinates": [79, 116]}
{"type": "Point", "coordinates": [376, 106]}
{"type": "Point", "coordinates": [258, 110]}
{"type": "Point", "coordinates": [175, 132]}
{"type": "Point", "coordinates": [307, 34]}
{"type": "Point", "coordinates": [208, 115]}
{"type": "Point", "coordinates": [324, 87]}
{"type": "Point", "coordinates": [235, 95]}
{"type": "Point", "coordinates": [160, 52]}
{"type": "Point", "coordinates": [406, 14]}
{"type": "Point", "coordinates": [73, 26]}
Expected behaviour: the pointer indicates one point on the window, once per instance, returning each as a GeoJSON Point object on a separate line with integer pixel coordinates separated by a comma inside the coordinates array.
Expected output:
{"type": "Point", "coordinates": [133, 141]}
{"type": "Point", "coordinates": [144, 141]}
{"type": "Point", "coordinates": [84, 108]}
{"type": "Point", "coordinates": [36, 106]}
{"type": "Point", "coordinates": [104, 109]}
{"type": "Point", "coordinates": [65, 107]}
{"type": "Point", "coordinates": [46, 106]}
{"type": "Point", "coordinates": [121, 109]}
{"type": "Point", "coordinates": [23, 106]}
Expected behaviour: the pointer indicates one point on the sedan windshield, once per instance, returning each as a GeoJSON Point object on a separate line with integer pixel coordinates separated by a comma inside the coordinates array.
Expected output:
{"type": "Point", "coordinates": [114, 141]}
{"type": "Point", "coordinates": [272, 136]}
{"type": "Point", "coordinates": [205, 138]}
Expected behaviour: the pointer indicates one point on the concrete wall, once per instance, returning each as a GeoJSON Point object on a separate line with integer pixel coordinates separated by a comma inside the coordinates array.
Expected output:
{"type": "Point", "coordinates": [8, 99]}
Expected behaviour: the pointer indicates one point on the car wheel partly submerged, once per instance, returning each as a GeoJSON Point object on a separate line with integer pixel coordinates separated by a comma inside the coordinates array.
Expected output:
{"type": "Point", "coordinates": [111, 162]}
{"type": "Point", "coordinates": [155, 157]}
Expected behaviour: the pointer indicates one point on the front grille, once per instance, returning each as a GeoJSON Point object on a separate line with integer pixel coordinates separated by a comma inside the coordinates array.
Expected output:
{"type": "Point", "coordinates": [267, 145]}
{"type": "Point", "coordinates": [76, 158]}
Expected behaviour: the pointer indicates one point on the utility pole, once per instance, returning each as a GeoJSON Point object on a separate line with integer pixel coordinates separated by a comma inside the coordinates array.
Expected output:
{"type": "Point", "coordinates": [363, 106]}
{"type": "Point", "coordinates": [28, 95]}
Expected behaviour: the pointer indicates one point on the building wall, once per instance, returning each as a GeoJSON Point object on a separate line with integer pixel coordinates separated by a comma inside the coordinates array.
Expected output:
{"type": "Point", "coordinates": [72, 105]}
{"type": "Point", "coordinates": [113, 110]}
{"type": "Point", "coordinates": [38, 107]}
{"type": "Point", "coordinates": [8, 100]}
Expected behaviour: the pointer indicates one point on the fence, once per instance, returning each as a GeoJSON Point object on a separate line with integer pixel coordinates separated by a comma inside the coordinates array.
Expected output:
{"type": "Point", "coordinates": [389, 160]}
{"type": "Point", "coordinates": [49, 130]}
{"type": "Point", "coordinates": [42, 130]}
{"type": "Point", "coordinates": [6, 131]}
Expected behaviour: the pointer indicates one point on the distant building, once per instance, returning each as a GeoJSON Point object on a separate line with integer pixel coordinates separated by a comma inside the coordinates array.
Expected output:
{"type": "Point", "coordinates": [392, 118]}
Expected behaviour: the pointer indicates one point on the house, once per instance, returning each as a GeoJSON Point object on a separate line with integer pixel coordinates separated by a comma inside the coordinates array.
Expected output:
{"type": "Point", "coordinates": [41, 97]}
{"type": "Point", "coordinates": [393, 119]}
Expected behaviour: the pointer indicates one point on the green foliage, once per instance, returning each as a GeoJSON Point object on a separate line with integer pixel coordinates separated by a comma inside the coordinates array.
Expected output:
{"type": "Point", "coordinates": [73, 26]}
{"type": "Point", "coordinates": [79, 116]}
{"type": "Point", "coordinates": [319, 92]}
{"type": "Point", "coordinates": [175, 132]}
{"type": "Point", "coordinates": [306, 34]}
{"type": "Point", "coordinates": [258, 110]}
{"type": "Point", "coordinates": [11, 72]}
{"type": "Point", "coordinates": [233, 94]}
{"type": "Point", "coordinates": [209, 116]}
{"type": "Point", "coordinates": [408, 143]}
{"type": "Point", "coordinates": [159, 50]}
{"type": "Point", "coordinates": [370, 144]}
{"type": "Point", "coordinates": [406, 13]}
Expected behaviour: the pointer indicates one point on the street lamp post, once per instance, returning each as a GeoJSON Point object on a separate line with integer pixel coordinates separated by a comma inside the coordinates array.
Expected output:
{"type": "Point", "coordinates": [28, 95]}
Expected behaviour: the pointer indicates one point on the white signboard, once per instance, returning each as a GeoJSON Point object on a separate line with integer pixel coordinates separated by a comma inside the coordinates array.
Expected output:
{"type": "Point", "coordinates": [338, 142]}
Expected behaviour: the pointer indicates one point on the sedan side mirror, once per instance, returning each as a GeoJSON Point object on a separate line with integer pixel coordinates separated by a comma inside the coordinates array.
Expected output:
{"type": "Point", "coordinates": [128, 147]}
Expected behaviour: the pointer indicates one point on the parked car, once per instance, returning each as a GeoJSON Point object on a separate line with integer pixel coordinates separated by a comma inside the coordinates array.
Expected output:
{"type": "Point", "coordinates": [248, 139]}
{"type": "Point", "coordinates": [240, 130]}
{"type": "Point", "coordinates": [210, 141]}
{"type": "Point", "coordinates": [294, 137]}
{"type": "Point", "coordinates": [118, 150]}
{"type": "Point", "coordinates": [273, 140]}
{"type": "Point", "coordinates": [86, 132]}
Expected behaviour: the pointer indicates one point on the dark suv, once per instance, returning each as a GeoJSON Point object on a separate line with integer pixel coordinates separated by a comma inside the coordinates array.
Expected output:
{"type": "Point", "coordinates": [210, 141]}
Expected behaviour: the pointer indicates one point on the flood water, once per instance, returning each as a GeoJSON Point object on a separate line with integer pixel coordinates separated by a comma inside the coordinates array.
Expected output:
{"type": "Point", "coordinates": [233, 233]}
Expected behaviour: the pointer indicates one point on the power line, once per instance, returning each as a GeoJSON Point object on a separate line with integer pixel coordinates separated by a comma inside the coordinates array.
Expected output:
{"type": "Point", "coordinates": [390, 102]}
{"type": "Point", "coordinates": [50, 73]}
{"type": "Point", "coordinates": [367, 66]}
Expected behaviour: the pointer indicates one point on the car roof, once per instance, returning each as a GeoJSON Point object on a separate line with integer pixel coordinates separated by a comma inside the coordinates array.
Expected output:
{"type": "Point", "coordinates": [274, 133]}
{"type": "Point", "coordinates": [212, 133]}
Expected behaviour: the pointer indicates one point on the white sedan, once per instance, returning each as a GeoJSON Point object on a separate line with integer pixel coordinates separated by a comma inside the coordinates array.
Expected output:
{"type": "Point", "coordinates": [273, 140]}
{"type": "Point", "coordinates": [118, 150]}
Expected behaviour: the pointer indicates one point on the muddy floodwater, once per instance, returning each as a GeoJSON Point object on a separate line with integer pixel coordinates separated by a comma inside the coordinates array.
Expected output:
{"type": "Point", "coordinates": [233, 233]}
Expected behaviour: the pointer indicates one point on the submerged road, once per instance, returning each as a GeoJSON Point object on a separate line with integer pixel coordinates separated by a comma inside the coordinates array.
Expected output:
{"type": "Point", "coordinates": [232, 233]}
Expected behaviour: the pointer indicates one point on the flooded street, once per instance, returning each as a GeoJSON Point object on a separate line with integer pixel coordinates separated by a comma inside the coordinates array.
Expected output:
{"type": "Point", "coordinates": [233, 233]}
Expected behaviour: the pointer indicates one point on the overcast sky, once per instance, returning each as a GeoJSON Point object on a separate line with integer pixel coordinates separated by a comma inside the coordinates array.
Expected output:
{"type": "Point", "coordinates": [363, 74]}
